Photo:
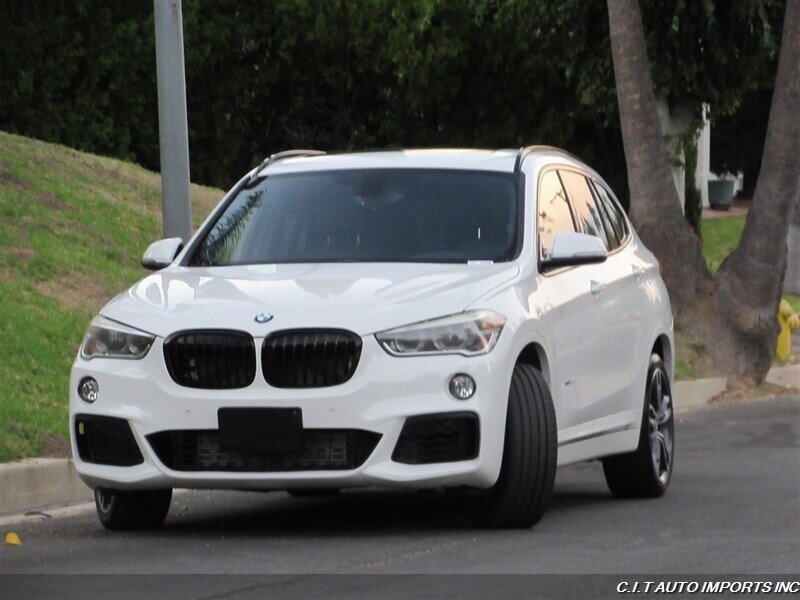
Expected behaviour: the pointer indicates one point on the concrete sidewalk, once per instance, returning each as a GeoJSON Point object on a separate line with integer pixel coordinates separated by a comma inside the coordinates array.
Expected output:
{"type": "Point", "coordinates": [36, 483]}
{"type": "Point", "coordinates": [39, 483]}
{"type": "Point", "coordinates": [788, 376]}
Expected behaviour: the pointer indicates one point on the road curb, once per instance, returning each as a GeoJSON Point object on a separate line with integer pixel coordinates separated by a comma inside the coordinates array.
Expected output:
{"type": "Point", "coordinates": [697, 392]}
{"type": "Point", "coordinates": [788, 376]}
{"type": "Point", "coordinates": [36, 483]}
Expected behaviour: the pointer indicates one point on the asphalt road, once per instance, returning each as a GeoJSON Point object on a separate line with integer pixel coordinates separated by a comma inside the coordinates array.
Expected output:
{"type": "Point", "coordinates": [733, 507]}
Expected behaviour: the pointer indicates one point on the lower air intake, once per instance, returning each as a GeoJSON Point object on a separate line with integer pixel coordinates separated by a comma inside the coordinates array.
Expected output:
{"type": "Point", "coordinates": [438, 438]}
{"type": "Point", "coordinates": [317, 450]}
{"type": "Point", "coordinates": [106, 441]}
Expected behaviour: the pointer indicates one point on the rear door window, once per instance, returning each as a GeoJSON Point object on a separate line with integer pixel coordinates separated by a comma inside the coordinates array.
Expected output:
{"type": "Point", "coordinates": [613, 211]}
{"type": "Point", "coordinates": [613, 240]}
{"type": "Point", "coordinates": [587, 212]}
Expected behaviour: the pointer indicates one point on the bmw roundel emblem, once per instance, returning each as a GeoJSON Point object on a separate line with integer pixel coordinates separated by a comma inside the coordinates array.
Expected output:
{"type": "Point", "coordinates": [264, 317]}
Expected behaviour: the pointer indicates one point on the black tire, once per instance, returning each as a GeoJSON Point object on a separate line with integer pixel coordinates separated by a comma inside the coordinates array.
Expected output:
{"type": "Point", "coordinates": [522, 492]}
{"type": "Point", "coordinates": [139, 509]}
{"type": "Point", "coordinates": [313, 492]}
{"type": "Point", "coordinates": [633, 475]}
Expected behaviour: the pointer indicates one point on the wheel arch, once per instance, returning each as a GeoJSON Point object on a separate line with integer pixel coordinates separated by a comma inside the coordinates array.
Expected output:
{"type": "Point", "coordinates": [662, 345]}
{"type": "Point", "coordinates": [535, 355]}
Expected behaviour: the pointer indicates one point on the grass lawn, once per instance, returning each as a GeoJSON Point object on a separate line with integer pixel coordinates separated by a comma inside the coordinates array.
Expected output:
{"type": "Point", "coordinates": [72, 229]}
{"type": "Point", "coordinates": [720, 237]}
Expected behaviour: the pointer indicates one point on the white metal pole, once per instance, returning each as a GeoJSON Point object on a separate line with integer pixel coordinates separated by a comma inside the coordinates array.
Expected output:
{"type": "Point", "coordinates": [172, 126]}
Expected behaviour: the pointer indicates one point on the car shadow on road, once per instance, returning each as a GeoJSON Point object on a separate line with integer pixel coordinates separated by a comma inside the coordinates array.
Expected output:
{"type": "Point", "coordinates": [352, 513]}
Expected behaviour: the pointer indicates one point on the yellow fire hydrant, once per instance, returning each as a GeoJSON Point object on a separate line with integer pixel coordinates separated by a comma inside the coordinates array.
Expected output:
{"type": "Point", "coordinates": [789, 321]}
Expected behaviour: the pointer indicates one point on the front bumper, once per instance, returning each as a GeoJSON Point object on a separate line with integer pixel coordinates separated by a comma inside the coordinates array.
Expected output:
{"type": "Point", "coordinates": [381, 395]}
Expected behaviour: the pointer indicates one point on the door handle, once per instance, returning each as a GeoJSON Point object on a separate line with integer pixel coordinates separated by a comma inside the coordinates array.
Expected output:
{"type": "Point", "coordinates": [639, 271]}
{"type": "Point", "coordinates": [595, 287]}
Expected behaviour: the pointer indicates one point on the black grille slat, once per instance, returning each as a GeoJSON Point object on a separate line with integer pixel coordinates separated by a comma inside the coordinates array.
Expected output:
{"type": "Point", "coordinates": [300, 361]}
{"type": "Point", "coordinates": [322, 450]}
{"type": "Point", "coordinates": [213, 359]}
{"type": "Point", "coordinates": [201, 362]}
{"type": "Point", "coordinates": [106, 441]}
{"type": "Point", "coordinates": [304, 358]}
{"type": "Point", "coordinates": [339, 365]}
{"type": "Point", "coordinates": [327, 355]}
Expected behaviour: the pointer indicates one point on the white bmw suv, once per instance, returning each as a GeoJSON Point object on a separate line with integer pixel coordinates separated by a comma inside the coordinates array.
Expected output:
{"type": "Point", "coordinates": [430, 318]}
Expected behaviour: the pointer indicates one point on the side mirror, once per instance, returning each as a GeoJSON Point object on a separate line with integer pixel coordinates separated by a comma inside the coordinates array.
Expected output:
{"type": "Point", "coordinates": [161, 253]}
{"type": "Point", "coordinates": [570, 249]}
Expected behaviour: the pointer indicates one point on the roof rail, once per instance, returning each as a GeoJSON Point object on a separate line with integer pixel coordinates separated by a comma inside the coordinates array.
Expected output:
{"type": "Point", "coordinates": [287, 154]}
{"type": "Point", "coordinates": [526, 151]}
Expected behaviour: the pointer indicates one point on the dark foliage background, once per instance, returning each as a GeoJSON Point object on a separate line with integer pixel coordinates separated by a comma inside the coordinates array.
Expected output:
{"type": "Point", "coordinates": [342, 75]}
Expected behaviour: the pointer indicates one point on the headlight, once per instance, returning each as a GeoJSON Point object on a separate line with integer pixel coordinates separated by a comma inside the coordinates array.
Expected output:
{"type": "Point", "coordinates": [468, 333]}
{"type": "Point", "coordinates": [107, 339]}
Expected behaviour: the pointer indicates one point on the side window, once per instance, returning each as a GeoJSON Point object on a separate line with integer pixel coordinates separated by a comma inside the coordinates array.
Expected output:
{"type": "Point", "coordinates": [611, 233]}
{"type": "Point", "coordinates": [582, 200]}
{"type": "Point", "coordinates": [554, 214]}
{"type": "Point", "coordinates": [614, 213]}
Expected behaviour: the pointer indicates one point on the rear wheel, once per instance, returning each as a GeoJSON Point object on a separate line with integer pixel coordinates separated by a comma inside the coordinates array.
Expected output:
{"type": "Point", "coordinates": [646, 472]}
{"type": "Point", "coordinates": [522, 492]}
{"type": "Point", "coordinates": [134, 509]}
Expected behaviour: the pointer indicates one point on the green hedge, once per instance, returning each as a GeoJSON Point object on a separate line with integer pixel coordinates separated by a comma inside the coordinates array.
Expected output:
{"type": "Point", "coordinates": [352, 74]}
{"type": "Point", "coordinates": [266, 76]}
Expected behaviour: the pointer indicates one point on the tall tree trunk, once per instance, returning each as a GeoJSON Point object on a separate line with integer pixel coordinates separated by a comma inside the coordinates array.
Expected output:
{"type": "Point", "coordinates": [655, 207]}
{"type": "Point", "coordinates": [750, 280]}
{"type": "Point", "coordinates": [735, 316]}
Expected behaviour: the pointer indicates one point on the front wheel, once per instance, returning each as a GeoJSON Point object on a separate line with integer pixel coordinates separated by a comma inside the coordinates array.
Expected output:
{"type": "Point", "coordinates": [134, 509]}
{"type": "Point", "coordinates": [646, 472]}
{"type": "Point", "coordinates": [522, 492]}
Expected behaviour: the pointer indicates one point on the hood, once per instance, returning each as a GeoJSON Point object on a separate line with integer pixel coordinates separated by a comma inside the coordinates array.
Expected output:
{"type": "Point", "coordinates": [363, 298]}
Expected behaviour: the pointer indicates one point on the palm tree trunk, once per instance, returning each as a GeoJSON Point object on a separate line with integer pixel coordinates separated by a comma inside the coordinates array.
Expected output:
{"type": "Point", "coordinates": [655, 208]}
{"type": "Point", "coordinates": [750, 281]}
{"type": "Point", "coordinates": [735, 315]}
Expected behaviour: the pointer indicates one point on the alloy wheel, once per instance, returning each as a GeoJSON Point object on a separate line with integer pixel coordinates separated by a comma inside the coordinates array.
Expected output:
{"type": "Point", "coordinates": [104, 499]}
{"type": "Point", "coordinates": [661, 427]}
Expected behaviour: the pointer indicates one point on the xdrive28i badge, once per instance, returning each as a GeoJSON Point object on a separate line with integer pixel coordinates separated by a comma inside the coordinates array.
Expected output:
{"type": "Point", "coordinates": [264, 317]}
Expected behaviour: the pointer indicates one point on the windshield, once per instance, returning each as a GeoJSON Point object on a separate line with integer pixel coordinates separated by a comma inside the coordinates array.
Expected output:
{"type": "Point", "coordinates": [375, 215]}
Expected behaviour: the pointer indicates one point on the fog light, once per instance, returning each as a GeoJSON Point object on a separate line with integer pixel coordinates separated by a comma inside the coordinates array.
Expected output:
{"type": "Point", "coordinates": [88, 389]}
{"type": "Point", "coordinates": [462, 386]}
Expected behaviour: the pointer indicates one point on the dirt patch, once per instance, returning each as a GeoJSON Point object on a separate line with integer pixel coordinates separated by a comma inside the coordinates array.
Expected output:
{"type": "Point", "coordinates": [694, 353]}
{"type": "Point", "coordinates": [137, 204]}
{"type": "Point", "coordinates": [7, 178]}
{"type": "Point", "coordinates": [115, 172]}
{"type": "Point", "coordinates": [203, 200]}
{"type": "Point", "coordinates": [747, 391]}
{"type": "Point", "coordinates": [23, 188]}
{"type": "Point", "coordinates": [12, 181]}
{"type": "Point", "coordinates": [77, 292]}
{"type": "Point", "coordinates": [55, 446]}
{"type": "Point", "coordinates": [24, 254]}
{"type": "Point", "coordinates": [50, 201]}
